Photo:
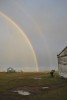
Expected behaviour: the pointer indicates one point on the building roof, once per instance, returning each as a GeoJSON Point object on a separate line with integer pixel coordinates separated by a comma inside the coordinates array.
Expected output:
{"type": "Point", "coordinates": [62, 52]}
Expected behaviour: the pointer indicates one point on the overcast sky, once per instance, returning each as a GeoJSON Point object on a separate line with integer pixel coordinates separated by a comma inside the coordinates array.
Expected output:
{"type": "Point", "coordinates": [44, 22]}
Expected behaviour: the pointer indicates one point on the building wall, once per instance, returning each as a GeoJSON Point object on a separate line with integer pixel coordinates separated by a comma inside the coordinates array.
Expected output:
{"type": "Point", "coordinates": [62, 63]}
{"type": "Point", "coordinates": [62, 70]}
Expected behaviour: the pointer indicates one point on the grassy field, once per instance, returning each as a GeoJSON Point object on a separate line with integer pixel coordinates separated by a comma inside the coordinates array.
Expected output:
{"type": "Point", "coordinates": [28, 81]}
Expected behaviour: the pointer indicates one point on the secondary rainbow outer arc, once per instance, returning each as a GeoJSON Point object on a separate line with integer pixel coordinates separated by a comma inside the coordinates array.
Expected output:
{"type": "Point", "coordinates": [22, 33]}
{"type": "Point", "coordinates": [38, 28]}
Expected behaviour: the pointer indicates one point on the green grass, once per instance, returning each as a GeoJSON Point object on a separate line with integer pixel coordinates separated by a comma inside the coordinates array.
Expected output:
{"type": "Point", "coordinates": [10, 81]}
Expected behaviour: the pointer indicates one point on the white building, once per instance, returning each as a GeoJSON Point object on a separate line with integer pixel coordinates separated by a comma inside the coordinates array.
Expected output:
{"type": "Point", "coordinates": [62, 63]}
{"type": "Point", "coordinates": [10, 69]}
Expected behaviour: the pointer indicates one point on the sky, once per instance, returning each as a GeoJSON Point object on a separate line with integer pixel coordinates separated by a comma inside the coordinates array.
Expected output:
{"type": "Point", "coordinates": [32, 33]}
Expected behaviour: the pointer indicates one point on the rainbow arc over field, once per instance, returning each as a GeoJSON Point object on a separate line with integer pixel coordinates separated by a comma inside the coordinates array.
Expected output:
{"type": "Point", "coordinates": [23, 34]}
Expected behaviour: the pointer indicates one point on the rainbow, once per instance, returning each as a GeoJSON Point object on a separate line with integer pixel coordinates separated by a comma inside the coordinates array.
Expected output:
{"type": "Point", "coordinates": [22, 33]}
{"type": "Point", "coordinates": [37, 27]}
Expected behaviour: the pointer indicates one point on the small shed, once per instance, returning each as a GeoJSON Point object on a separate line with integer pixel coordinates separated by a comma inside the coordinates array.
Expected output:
{"type": "Point", "coordinates": [62, 62]}
{"type": "Point", "coordinates": [10, 69]}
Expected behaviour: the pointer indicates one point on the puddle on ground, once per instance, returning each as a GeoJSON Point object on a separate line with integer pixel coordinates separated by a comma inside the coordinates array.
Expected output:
{"type": "Point", "coordinates": [29, 90]}
{"type": "Point", "coordinates": [45, 87]}
{"type": "Point", "coordinates": [37, 78]}
{"type": "Point", "coordinates": [21, 92]}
